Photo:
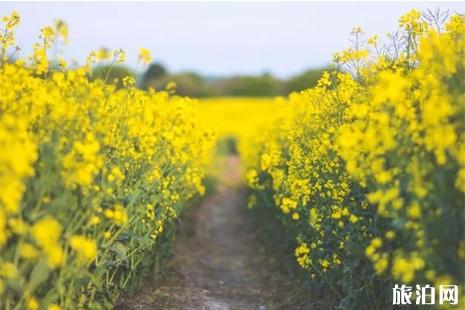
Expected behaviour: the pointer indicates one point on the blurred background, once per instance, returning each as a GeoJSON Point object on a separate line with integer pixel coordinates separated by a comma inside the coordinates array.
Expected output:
{"type": "Point", "coordinates": [252, 49]}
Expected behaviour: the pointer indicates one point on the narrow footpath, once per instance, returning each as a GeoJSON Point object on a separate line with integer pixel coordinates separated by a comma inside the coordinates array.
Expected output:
{"type": "Point", "coordinates": [219, 263]}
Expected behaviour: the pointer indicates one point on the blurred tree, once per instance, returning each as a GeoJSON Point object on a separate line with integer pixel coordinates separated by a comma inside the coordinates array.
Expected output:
{"type": "Point", "coordinates": [302, 81]}
{"type": "Point", "coordinates": [254, 86]}
{"type": "Point", "coordinates": [111, 74]}
{"type": "Point", "coordinates": [187, 84]}
{"type": "Point", "coordinates": [154, 72]}
{"type": "Point", "coordinates": [195, 85]}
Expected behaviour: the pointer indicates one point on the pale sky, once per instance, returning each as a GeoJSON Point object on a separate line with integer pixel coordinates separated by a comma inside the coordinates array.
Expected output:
{"type": "Point", "coordinates": [216, 38]}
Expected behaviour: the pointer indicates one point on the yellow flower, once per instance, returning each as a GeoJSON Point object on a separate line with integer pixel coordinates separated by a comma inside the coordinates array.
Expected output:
{"type": "Point", "coordinates": [144, 56]}
{"type": "Point", "coordinates": [390, 235]}
{"type": "Point", "coordinates": [337, 214]}
{"type": "Point", "coordinates": [85, 248]}
{"type": "Point", "coordinates": [28, 251]}
{"type": "Point", "coordinates": [119, 215]}
{"type": "Point", "coordinates": [373, 40]}
{"type": "Point", "coordinates": [370, 250]}
{"type": "Point", "coordinates": [129, 81]}
{"type": "Point", "coordinates": [8, 270]}
{"type": "Point", "coordinates": [47, 232]}
{"type": "Point", "coordinates": [115, 174]}
{"type": "Point", "coordinates": [252, 177]}
{"type": "Point", "coordinates": [18, 225]}
{"type": "Point", "coordinates": [414, 211]}
{"type": "Point", "coordinates": [12, 21]}
{"type": "Point", "coordinates": [94, 220]}
{"type": "Point", "coordinates": [404, 268]}
{"type": "Point", "coordinates": [149, 211]}
{"type": "Point", "coordinates": [302, 255]}
{"type": "Point", "coordinates": [109, 213]}
{"type": "Point", "coordinates": [381, 264]}
{"type": "Point", "coordinates": [377, 242]}
{"type": "Point", "coordinates": [324, 263]}
{"type": "Point", "coordinates": [103, 54]}
{"type": "Point", "coordinates": [55, 256]}
{"type": "Point", "coordinates": [288, 204]}
{"type": "Point", "coordinates": [32, 304]}
{"type": "Point", "coordinates": [83, 162]}
{"type": "Point", "coordinates": [47, 32]}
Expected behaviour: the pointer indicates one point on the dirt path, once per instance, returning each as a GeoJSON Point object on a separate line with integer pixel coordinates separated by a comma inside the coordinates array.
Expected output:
{"type": "Point", "coordinates": [219, 264]}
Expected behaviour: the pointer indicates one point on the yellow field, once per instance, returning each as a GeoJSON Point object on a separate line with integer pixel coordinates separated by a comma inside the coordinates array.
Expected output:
{"type": "Point", "coordinates": [365, 173]}
{"type": "Point", "coordinates": [237, 117]}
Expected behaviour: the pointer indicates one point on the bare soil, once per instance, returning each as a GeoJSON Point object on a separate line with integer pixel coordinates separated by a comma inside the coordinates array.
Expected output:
{"type": "Point", "coordinates": [219, 263]}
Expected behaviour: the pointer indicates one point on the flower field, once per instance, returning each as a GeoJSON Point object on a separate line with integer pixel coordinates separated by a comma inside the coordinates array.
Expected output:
{"type": "Point", "coordinates": [365, 171]}
{"type": "Point", "coordinates": [238, 117]}
{"type": "Point", "coordinates": [91, 178]}
{"type": "Point", "coordinates": [368, 171]}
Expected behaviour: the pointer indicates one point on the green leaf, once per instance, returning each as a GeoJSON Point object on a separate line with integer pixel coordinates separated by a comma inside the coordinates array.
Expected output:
{"type": "Point", "coordinates": [120, 249]}
{"type": "Point", "coordinates": [39, 274]}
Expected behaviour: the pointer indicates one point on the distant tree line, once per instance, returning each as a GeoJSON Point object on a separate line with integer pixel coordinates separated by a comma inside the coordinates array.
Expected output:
{"type": "Point", "coordinates": [195, 85]}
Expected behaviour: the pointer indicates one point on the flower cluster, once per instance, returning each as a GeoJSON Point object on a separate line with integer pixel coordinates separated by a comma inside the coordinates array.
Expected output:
{"type": "Point", "coordinates": [80, 163]}
{"type": "Point", "coordinates": [368, 171]}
